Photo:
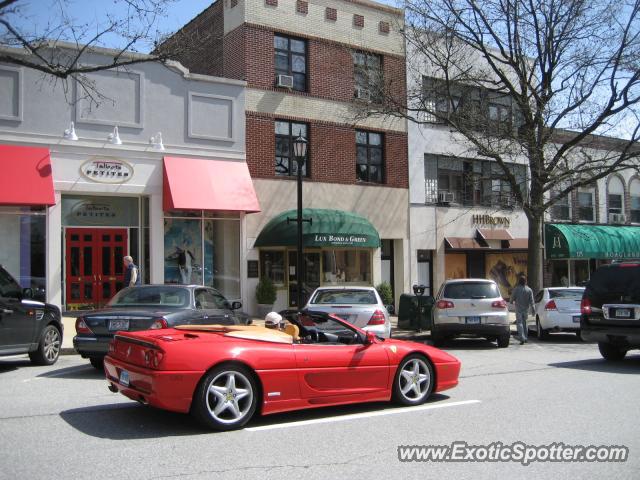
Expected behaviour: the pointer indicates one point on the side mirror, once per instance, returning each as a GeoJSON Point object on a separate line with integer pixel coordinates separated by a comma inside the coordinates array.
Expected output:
{"type": "Point", "coordinates": [236, 305]}
{"type": "Point", "coordinates": [27, 293]}
{"type": "Point", "coordinates": [370, 338]}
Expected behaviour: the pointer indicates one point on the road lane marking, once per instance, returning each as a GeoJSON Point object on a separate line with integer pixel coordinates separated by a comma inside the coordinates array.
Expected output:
{"type": "Point", "coordinates": [355, 416]}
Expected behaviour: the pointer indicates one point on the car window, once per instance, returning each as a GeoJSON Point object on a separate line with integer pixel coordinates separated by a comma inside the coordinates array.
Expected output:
{"type": "Point", "coordinates": [471, 290]}
{"type": "Point", "coordinates": [209, 299]}
{"type": "Point", "coordinates": [165, 296]}
{"type": "Point", "coordinates": [539, 296]}
{"type": "Point", "coordinates": [572, 294]}
{"type": "Point", "coordinates": [350, 297]}
{"type": "Point", "coordinates": [8, 286]}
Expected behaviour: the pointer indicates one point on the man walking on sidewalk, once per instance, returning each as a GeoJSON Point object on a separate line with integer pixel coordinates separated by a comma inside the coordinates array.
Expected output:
{"type": "Point", "coordinates": [522, 298]}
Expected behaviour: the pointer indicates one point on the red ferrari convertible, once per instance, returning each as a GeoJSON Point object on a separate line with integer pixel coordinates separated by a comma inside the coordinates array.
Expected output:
{"type": "Point", "coordinates": [222, 374]}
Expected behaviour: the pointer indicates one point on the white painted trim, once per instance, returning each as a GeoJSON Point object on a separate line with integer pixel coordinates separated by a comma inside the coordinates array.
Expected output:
{"type": "Point", "coordinates": [20, 86]}
{"type": "Point", "coordinates": [232, 119]}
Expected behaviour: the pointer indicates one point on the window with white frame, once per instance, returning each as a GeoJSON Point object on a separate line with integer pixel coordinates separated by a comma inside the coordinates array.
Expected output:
{"type": "Point", "coordinates": [586, 204]}
{"type": "Point", "coordinates": [615, 196]}
{"type": "Point", "coordinates": [634, 194]}
{"type": "Point", "coordinates": [561, 208]}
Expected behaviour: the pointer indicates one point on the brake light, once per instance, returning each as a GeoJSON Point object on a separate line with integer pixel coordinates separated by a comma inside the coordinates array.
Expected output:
{"type": "Point", "coordinates": [499, 304]}
{"type": "Point", "coordinates": [153, 357]}
{"type": "Point", "coordinates": [551, 305]}
{"type": "Point", "coordinates": [442, 304]}
{"type": "Point", "coordinates": [81, 326]}
{"type": "Point", "coordinates": [585, 306]}
{"type": "Point", "coordinates": [377, 318]}
{"type": "Point", "coordinates": [158, 323]}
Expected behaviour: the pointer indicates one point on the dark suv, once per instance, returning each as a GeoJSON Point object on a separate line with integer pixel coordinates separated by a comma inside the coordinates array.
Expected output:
{"type": "Point", "coordinates": [27, 325]}
{"type": "Point", "coordinates": [611, 309]}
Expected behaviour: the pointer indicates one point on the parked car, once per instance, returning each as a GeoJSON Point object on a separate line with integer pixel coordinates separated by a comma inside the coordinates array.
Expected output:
{"type": "Point", "coordinates": [611, 309]}
{"type": "Point", "coordinates": [360, 306]}
{"type": "Point", "coordinates": [556, 310]}
{"type": "Point", "coordinates": [470, 307]}
{"type": "Point", "coordinates": [27, 325]}
{"type": "Point", "coordinates": [151, 307]}
{"type": "Point", "coordinates": [342, 364]}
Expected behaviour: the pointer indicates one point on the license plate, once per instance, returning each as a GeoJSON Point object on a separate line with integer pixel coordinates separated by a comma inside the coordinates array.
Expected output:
{"type": "Point", "coordinates": [124, 378]}
{"type": "Point", "coordinates": [623, 313]}
{"type": "Point", "coordinates": [115, 325]}
{"type": "Point", "coordinates": [472, 320]}
{"type": "Point", "coordinates": [576, 319]}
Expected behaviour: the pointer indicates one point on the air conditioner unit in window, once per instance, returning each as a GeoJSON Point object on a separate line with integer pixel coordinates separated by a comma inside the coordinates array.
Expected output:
{"type": "Point", "coordinates": [285, 81]}
{"type": "Point", "coordinates": [446, 197]}
{"type": "Point", "coordinates": [362, 94]}
{"type": "Point", "coordinates": [617, 218]}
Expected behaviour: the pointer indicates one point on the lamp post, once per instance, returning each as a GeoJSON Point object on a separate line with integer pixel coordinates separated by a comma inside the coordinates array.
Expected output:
{"type": "Point", "coordinates": [300, 154]}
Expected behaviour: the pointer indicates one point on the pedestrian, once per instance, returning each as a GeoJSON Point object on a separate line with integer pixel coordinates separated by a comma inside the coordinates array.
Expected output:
{"type": "Point", "coordinates": [522, 298]}
{"type": "Point", "coordinates": [132, 273]}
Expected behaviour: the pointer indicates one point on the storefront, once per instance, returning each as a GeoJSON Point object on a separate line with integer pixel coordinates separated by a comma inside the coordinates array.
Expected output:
{"type": "Point", "coordinates": [573, 252]}
{"type": "Point", "coordinates": [338, 250]}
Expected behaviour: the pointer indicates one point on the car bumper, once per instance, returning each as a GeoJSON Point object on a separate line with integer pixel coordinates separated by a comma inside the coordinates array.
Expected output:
{"type": "Point", "coordinates": [91, 346]}
{"type": "Point", "coordinates": [481, 330]}
{"type": "Point", "coordinates": [171, 390]}
{"type": "Point", "coordinates": [622, 336]}
{"type": "Point", "coordinates": [560, 321]}
{"type": "Point", "coordinates": [446, 375]}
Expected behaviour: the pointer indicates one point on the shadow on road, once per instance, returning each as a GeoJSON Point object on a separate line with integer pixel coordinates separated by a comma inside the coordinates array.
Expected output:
{"type": "Point", "coordinates": [630, 365]}
{"type": "Point", "coordinates": [78, 372]}
{"type": "Point", "coordinates": [558, 338]}
{"type": "Point", "coordinates": [13, 364]}
{"type": "Point", "coordinates": [132, 421]}
{"type": "Point", "coordinates": [468, 343]}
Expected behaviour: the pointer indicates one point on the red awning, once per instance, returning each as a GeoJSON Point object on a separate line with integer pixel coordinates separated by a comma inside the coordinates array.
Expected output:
{"type": "Point", "coordinates": [495, 234]}
{"type": "Point", "coordinates": [519, 243]}
{"type": "Point", "coordinates": [463, 243]}
{"type": "Point", "coordinates": [202, 184]}
{"type": "Point", "coordinates": [25, 176]}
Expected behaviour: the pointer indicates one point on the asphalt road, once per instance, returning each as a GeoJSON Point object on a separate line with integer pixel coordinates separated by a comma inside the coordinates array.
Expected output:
{"type": "Point", "coordinates": [62, 422]}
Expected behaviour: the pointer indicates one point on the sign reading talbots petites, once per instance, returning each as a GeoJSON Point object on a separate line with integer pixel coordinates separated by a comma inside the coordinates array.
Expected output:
{"type": "Point", "coordinates": [107, 170]}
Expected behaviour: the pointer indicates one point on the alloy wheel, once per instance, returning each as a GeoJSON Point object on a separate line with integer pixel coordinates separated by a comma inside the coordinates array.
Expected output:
{"type": "Point", "coordinates": [415, 380]}
{"type": "Point", "coordinates": [51, 345]}
{"type": "Point", "coordinates": [229, 397]}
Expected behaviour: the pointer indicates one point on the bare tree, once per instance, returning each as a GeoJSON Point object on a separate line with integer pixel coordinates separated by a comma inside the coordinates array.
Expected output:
{"type": "Point", "coordinates": [539, 81]}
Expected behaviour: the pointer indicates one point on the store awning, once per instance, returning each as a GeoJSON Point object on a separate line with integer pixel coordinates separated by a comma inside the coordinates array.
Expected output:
{"type": "Point", "coordinates": [464, 243]}
{"type": "Point", "coordinates": [519, 243]}
{"type": "Point", "coordinates": [592, 241]}
{"type": "Point", "coordinates": [328, 228]}
{"type": "Point", "coordinates": [203, 184]}
{"type": "Point", "coordinates": [25, 176]}
{"type": "Point", "coordinates": [495, 234]}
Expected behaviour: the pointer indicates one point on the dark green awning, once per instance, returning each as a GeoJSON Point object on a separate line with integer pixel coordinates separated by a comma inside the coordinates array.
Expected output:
{"type": "Point", "coordinates": [329, 228]}
{"type": "Point", "coordinates": [592, 241]}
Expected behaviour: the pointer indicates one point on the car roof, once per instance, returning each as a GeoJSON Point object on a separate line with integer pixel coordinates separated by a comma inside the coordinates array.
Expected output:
{"type": "Point", "coordinates": [564, 288]}
{"type": "Point", "coordinates": [469, 280]}
{"type": "Point", "coordinates": [359, 287]}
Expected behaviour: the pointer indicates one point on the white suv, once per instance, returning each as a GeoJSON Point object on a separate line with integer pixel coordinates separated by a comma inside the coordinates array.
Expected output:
{"type": "Point", "coordinates": [470, 306]}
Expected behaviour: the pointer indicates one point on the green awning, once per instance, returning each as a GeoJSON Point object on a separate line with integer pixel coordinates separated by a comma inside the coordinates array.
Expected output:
{"type": "Point", "coordinates": [592, 241]}
{"type": "Point", "coordinates": [328, 228]}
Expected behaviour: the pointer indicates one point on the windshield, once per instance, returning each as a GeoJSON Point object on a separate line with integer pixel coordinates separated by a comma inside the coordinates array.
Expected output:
{"type": "Point", "coordinates": [341, 297]}
{"type": "Point", "coordinates": [164, 296]}
{"type": "Point", "coordinates": [471, 290]}
{"type": "Point", "coordinates": [572, 294]}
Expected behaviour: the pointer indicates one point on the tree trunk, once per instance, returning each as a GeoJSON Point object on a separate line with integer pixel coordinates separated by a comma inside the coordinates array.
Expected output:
{"type": "Point", "coordinates": [534, 261]}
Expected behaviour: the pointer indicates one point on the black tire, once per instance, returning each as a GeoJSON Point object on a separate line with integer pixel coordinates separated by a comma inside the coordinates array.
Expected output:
{"type": "Point", "coordinates": [97, 363]}
{"type": "Point", "coordinates": [541, 333]}
{"type": "Point", "coordinates": [400, 381]}
{"type": "Point", "coordinates": [579, 335]}
{"type": "Point", "coordinates": [611, 352]}
{"type": "Point", "coordinates": [49, 347]}
{"type": "Point", "coordinates": [437, 339]}
{"type": "Point", "coordinates": [205, 400]}
{"type": "Point", "coordinates": [503, 340]}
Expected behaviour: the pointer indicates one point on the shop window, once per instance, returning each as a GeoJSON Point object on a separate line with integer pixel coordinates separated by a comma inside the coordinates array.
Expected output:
{"type": "Point", "coordinates": [368, 77]}
{"type": "Point", "coordinates": [286, 133]}
{"type": "Point", "coordinates": [615, 198]}
{"type": "Point", "coordinates": [347, 266]}
{"type": "Point", "coordinates": [634, 194]}
{"type": "Point", "coordinates": [586, 208]}
{"type": "Point", "coordinates": [291, 60]}
{"type": "Point", "coordinates": [369, 157]}
{"type": "Point", "coordinates": [560, 210]}
{"type": "Point", "coordinates": [272, 265]}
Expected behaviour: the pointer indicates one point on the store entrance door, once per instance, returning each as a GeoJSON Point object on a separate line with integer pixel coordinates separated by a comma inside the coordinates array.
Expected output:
{"type": "Point", "coordinates": [94, 268]}
{"type": "Point", "coordinates": [311, 274]}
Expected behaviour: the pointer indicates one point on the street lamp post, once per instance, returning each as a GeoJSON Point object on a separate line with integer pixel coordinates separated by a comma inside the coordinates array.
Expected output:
{"type": "Point", "coordinates": [300, 154]}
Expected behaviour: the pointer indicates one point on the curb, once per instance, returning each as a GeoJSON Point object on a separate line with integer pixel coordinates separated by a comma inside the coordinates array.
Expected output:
{"type": "Point", "coordinates": [68, 351]}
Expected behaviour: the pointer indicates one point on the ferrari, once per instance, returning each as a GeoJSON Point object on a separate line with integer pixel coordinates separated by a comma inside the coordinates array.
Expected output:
{"type": "Point", "coordinates": [224, 374]}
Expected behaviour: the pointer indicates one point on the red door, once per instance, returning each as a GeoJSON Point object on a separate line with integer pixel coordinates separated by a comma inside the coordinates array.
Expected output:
{"type": "Point", "coordinates": [94, 268]}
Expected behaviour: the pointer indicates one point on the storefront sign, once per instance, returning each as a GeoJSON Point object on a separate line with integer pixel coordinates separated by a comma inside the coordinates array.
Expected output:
{"type": "Point", "coordinates": [491, 220]}
{"type": "Point", "coordinates": [81, 210]}
{"type": "Point", "coordinates": [107, 170]}
{"type": "Point", "coordinates": [340, 240]}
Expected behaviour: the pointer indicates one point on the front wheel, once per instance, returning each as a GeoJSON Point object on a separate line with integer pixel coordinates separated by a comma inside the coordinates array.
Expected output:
{"type": "Point", "coordinates": [48, 349]}
{"type": "Point", "coordinates": [611, 352]}
{"type": "Point", "coordinates": [226, 398]}
{"type": "Point", "coordinates": [414, 381]}
{"type": "Point", "coordinates": [503, 340]}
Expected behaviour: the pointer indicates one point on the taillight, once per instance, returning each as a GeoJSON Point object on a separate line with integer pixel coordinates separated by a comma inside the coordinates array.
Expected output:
{"type": "Point", "coordinates": [153, 357]}
{"type": "Point", "coordinates": [551, 305]}
{"type": "Point", "coordinates": [442, 304]}
{"type": "Point", "coordinates": [585, 306]}
{"type": "Point", "coordinates": [158, 323]}
{"type": "Point", "coordinates": [81, 326]}
{"type": "Point", "coordinates": [499, 304]}
{"type": "Point", "coordinates": [377, 318]}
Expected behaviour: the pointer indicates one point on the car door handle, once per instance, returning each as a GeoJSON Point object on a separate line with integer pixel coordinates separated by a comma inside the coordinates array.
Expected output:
{"type": "Point", "coordinates": [6, 310]}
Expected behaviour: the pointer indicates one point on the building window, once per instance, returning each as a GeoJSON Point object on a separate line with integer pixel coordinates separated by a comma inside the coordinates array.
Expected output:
{"type": "Point", "coordinates": [367, 76]}
{"type": "Point", "coordinates": [560, 210]}
{"type": "Point", "coordinates": [291, 60]}
{"type": "Point", "coordinates": [586, 211]}
{"type": "Point", "coordinates": [369, 157]}
{"type": "Point", "coordinates": [346, 266]}
{"type": "Point", "coordinates": [272, 265]}
{"type": "Point", "coordinates": [615, 198]}
{"type": "Point", "coordinates": [634, 193]}
{"type": "Point", "coordinates": [286, 133]}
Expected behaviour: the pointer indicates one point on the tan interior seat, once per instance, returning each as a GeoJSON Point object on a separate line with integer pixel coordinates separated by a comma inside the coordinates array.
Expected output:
{"type": "Point", "coordinates": [292, 330]}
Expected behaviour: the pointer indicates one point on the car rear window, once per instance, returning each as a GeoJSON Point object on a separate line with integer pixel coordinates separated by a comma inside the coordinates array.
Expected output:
{"type": "Point", "coordinates": [471, 290]}
{"type": "Point", "coordinates": [575, 293]}
{"type": "Point", "coordinates": [350, 297]}
{"type": "Point", "coordinates": [614, 283]}
{"type": "Point", "coordinates": [151, 296]}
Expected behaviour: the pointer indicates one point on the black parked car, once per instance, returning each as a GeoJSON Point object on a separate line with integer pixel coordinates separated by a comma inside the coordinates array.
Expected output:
{"type": "Point", "coordinates": [611, 309]}
{"type": "Point", "coordinates": [150, 307]}
{"type": "Point", "coordinates": [27, 325]}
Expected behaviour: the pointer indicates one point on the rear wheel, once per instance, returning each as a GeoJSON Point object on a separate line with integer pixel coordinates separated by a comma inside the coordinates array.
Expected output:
{"type": "Point", "coordinates": [611, 352]}
{"type": "Point", "coordinates": [226, 398]}
{"type": "Point", "coordinates": [97, 363]}
{"type": "Point", "coordinates": [48, 349]}
{"type": "Point", "coordinates": [541, 333]}
{"type": "Point", "coordinates": [503, 340]}
{"type": "Point", "coordinates": [414, 381]}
